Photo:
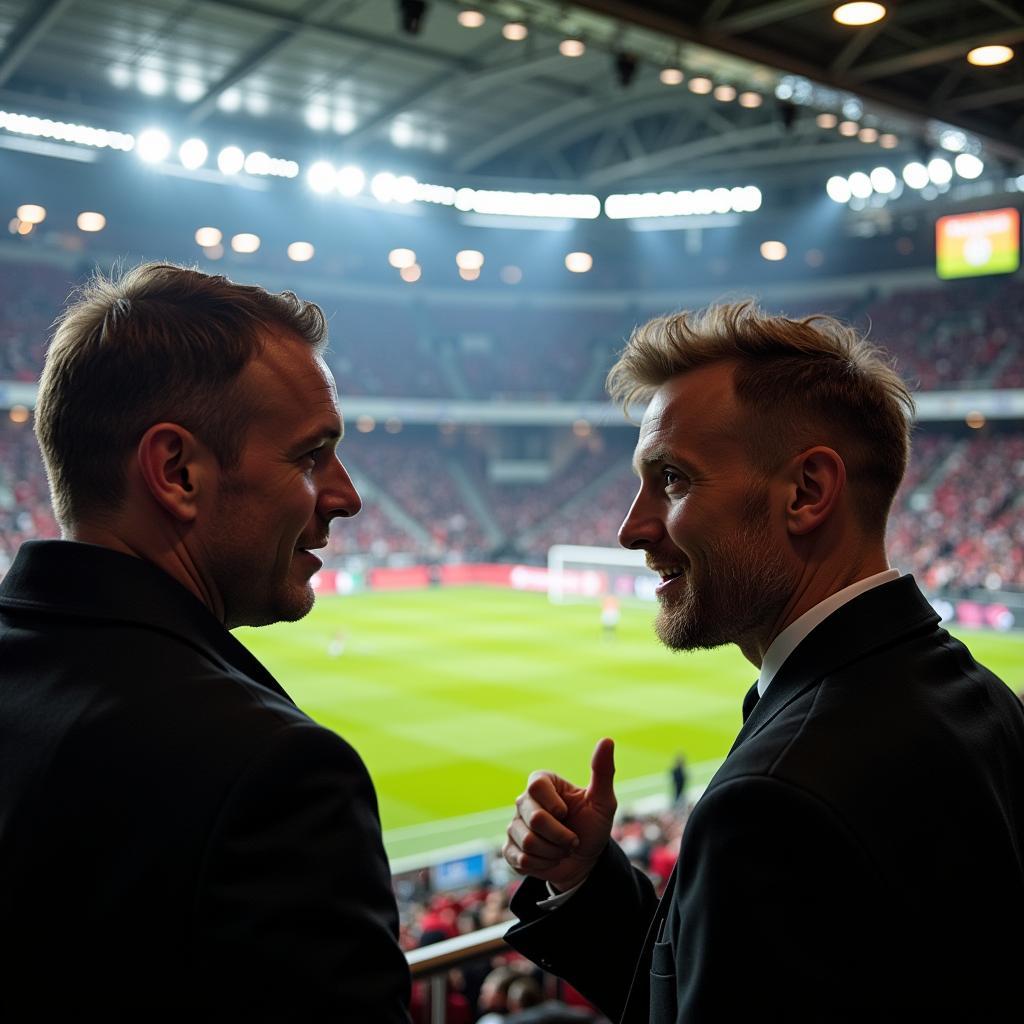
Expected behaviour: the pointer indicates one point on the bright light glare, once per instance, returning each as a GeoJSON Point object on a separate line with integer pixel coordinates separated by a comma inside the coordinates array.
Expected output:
{"type": "Point", "coordinates": [860, 185]}
{"type": "Point", "coordinates": [528, 204]}
{"type": "Point", "coordinates": [670, 76]}
{"type": "Point", "coordinates": [208, 237]}
{"type": "Point", "coordinates": [351, 180]}
{"type": "Point", "coordinates": [838, 189]}
{"type": "Point", "coordinates": [400, 258]}
{"type": "Point", "coordinates": [469, 273]}
{"type": "Point", "coordinates": [940, 171]}
{"type": "Point", "coordinates": [750, 100]}
{"type": "Point", "coordinates": [915, 174]}
{"type": "Point", "coordinates": [968, 166]}
{"type": "Point", "coordinates": [383, 186]}
{"type": "Point", "coordinates": [31, 214]}
{"type": "Point", "coordinates": [80, 134]}
{"type": "Point", "coordinates": [578, 262]}
{"type": "Point", "coordinates": [883, 181]}
{"type": "Point", "coordinates": [511, 274]}
{"type": "Point", "coordinates": [152, 82]}
{"type": "Point", "coordinates": [301, 252]}
{"type": "Point", "coordinates": [989, 56]}
{"type": "Point", "coordinates": [848, 128]}
{"type": "Point", "coordinates": [725, 93]}
{"type": "Point", "coordinates": [868, 135]}
{"type": "Point", "coordinates": [572, 48]}
{"type": "Point", "coordinates": [888, 141]}
{"type": "Point", "coordinates": [860, 13]}
{"type": "Point", "coordinates": [322, 177]}
{"type": "Point", "coordinates": [703, 201]}
{"type": "Point", "coordinates": [773, 250]}
{"type": "Point", "coordinates": [411, 273]}
{"type": "Point", "coordinates": [153, 145]}
{"type": "Point", "coordinates": [470, 18]}
{"type": "Point", "coordinates": [700, 85]}
{"type": "Point", "coordinates": [89, 220]}
{"type": "Point", "coordinates": [245, 242]}
{"type": "Point", "coordinates": [230, 160]}
{"type": "Point", "coordinates": [826, 120]}
{"type": "Point", "coordinates": [469, 259]}
{"type": "Point", "coordinates": [515, 31]}
{"type": "Point", "coordinates": [193, 153]}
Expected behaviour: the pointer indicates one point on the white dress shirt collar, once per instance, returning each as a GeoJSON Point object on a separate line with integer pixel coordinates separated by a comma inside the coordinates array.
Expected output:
{"type": "Point", "coordinates": [786, 642]}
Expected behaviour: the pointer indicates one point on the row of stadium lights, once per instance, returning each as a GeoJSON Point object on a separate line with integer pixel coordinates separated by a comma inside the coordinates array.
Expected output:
{"type": "Point", "coordinates": [924, 178]}
{"type": "Point", "coordinates": [210, 239]}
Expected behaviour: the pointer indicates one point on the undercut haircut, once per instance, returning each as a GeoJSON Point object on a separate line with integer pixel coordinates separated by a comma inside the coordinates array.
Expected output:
{"type": "Point", "coordinates": [814, 381]}
{"type": "Point", "coordinates": [159, 343]}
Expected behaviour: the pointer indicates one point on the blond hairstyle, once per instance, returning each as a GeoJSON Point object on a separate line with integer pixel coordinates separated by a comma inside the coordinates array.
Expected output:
{"type": "Point", "coordinates": [160, 342]}
{"type": "Point", "coordinates": [805, 382]}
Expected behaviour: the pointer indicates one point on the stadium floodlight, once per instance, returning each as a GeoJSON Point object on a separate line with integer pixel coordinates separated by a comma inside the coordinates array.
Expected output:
{"type": "Point", "coordinates": [405, 190]}
{"type": "Point", "coordinates": [968, 166]}
{"type": "Point", "coordinates": [317, 116]}
{"type": "Point", "coordinates": [301, 252]}
{"type": "Point", "coordinates": [90, 220]}
{"type": "Point", "coordinates": [989, 56]}
{"type": "Point", "coordinates": [382, 186]}
{"type": "Point", "coordinates": [469, 259]}
{"type": "Point", "coordinates": [915, 174]}
{"type": "Point", "coordinates": [572, 47]}
{"type": "Point", "coordinates": [671, 75]}
{"type": "Point", "coordinates": [193, 153]}
{"type": "Point", "coordinates": [152, 82]}
{"type": "Point", "coordinates": [883, 181]}
{"type": "Point", "coordinates": [80, 134]}
{"type": "Point", "coordinates": [207, 238]}
{"type": "Point", "coordinates": [411, 274]}
{"type": "Point", "coordinates": [774, 250]}
{"type": "Point", "coordinates": [230, 160]}
{"type": "Point", "coordinates": [322, 177]}
{"type": "Point", "coordinates": [859, 13]}
{"type": "Point", "coordinates": [701, 85]}
{"type": "Point", "coordinates": [245, 242]}
{"type": "Point", "coordinates": [860, 185]}
{"type": "Point", "coordinates": [401, 258]}
{"type": "Point", "coordinates": [940, 171]}
{"type": "Point", "coordinates": [153, 145]}
{"type": "Point", "coordinates": [740, 199]}
{"type": "Point", "coordinates": [888, 141]}
{"type": "Point", "coordinates": [838, 189]}
{"type": "Point", "coordinates": [826, 120]}
{"type": "Point", "coordinates": [469, 273]}
{"type": "Point", "coordinates": [30, 213]}
{"type": "Point", "coordinates": [350, 180]}
{"type": "Point", "coordinates": [750, 100]}
{"type": "Point", "coordinates": [572, 206]}
{"type": "Point", "coordinates": [578, 262]}
{"type": "Point", "coordinates": [470, 17]}
{"type": "Point", "coordinates": [515, 31]}
{"type": "Point", "coordinates": [188, 90]}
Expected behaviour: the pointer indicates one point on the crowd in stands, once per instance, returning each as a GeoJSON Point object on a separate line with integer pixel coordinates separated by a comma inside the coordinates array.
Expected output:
{"type": "Point", "coordinates": [432, 494]}
{"type": "Point", "coordinates": [505, 988]}
{"type": "Point", "coordinates": [958, 521]}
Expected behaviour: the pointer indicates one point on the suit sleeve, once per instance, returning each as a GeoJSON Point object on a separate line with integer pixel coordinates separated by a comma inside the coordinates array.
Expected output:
{"type": "Point", "coordinates": [594, 940]}
{"type": "Point", "coordinates": [769, 921]}
{"type": "Point", "coordinates": [295, 913]}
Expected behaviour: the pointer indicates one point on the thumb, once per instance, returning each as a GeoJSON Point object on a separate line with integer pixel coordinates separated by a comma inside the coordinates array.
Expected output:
{"type": "Point", "coordinates": [602, 774]}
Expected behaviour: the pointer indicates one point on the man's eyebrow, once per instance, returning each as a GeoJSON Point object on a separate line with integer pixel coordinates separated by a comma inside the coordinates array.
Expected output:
{"type": "Point", "coordinates": [657, 456]}
{"type": "Point", "coordinates": [316, 437]}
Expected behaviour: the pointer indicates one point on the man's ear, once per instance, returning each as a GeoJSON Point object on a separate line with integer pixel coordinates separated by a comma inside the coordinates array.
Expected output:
{"type": "Point", "coordinates": [174, 466]}
{"type": "Point", "coordinates": [817, 479]}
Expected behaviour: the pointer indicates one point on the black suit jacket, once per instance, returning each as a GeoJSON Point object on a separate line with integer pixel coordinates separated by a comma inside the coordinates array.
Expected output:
{"type": "Point", "coordinates": [176, 837]}
{"type": "Point", "coordinates": [857, 857]}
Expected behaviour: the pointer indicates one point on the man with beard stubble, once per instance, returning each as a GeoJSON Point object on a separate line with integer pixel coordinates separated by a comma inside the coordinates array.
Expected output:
{"type": "Point", "coordinates": [177, 839]}
{"type": "Point", "coordinates": [858, 855]}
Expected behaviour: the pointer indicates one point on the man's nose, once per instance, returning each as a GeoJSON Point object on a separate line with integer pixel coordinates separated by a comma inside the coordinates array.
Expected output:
{"type": "Point", "coordinates": [339, 496]}
{"type": "Point", "coordinates": [642, 527]}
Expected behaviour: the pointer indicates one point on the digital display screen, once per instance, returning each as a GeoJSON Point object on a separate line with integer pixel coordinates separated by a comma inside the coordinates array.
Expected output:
{"type": "Point", "coordinates": [972, 244]}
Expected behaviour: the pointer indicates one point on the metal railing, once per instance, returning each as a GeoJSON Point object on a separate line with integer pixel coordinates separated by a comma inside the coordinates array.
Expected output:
{"type": "Point", "coordinates": [434, 961]}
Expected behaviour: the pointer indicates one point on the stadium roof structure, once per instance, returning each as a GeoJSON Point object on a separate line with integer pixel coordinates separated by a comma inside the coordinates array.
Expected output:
{"type": "Point", "coordinates": [407, 80]}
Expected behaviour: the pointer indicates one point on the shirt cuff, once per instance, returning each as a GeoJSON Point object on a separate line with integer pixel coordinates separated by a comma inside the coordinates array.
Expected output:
{"type": "Point", "coordinates": [556, 899]}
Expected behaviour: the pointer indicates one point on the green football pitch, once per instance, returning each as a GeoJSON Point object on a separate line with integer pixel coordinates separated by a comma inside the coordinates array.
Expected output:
{"type": "Point", "coordinates": [453, 696]}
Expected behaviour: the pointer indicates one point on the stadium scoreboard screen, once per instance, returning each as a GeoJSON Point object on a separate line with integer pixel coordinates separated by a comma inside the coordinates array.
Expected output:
{"type": "Point", "coordinates": [972, 244]}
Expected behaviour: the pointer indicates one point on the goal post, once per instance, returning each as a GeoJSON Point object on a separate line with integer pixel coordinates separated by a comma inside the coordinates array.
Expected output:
{"type": "Point", "coordinates": [577, 572]}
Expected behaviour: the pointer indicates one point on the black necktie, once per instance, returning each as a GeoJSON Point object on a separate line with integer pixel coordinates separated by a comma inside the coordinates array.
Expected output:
{"type": "Point", "coordinates": [750, 700]}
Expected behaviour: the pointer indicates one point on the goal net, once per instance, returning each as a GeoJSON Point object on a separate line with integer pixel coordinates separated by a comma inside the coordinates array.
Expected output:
{"type": "Point", "coordinates": [580, 573]}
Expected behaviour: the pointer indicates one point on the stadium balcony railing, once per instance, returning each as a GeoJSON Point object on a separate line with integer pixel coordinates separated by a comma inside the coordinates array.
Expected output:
{"type": "Point", "coordinates": [432, 962]}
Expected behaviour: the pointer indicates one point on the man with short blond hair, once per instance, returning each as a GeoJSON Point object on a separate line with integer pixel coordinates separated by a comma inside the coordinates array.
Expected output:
{"type": "Point", "coordinates": [858, 855]}
{"type": "Point", "coordinates": [178, 838]}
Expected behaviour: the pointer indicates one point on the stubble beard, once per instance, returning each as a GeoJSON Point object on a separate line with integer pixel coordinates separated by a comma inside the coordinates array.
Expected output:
{"type": "Point", "coordinates": [748, 585]}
